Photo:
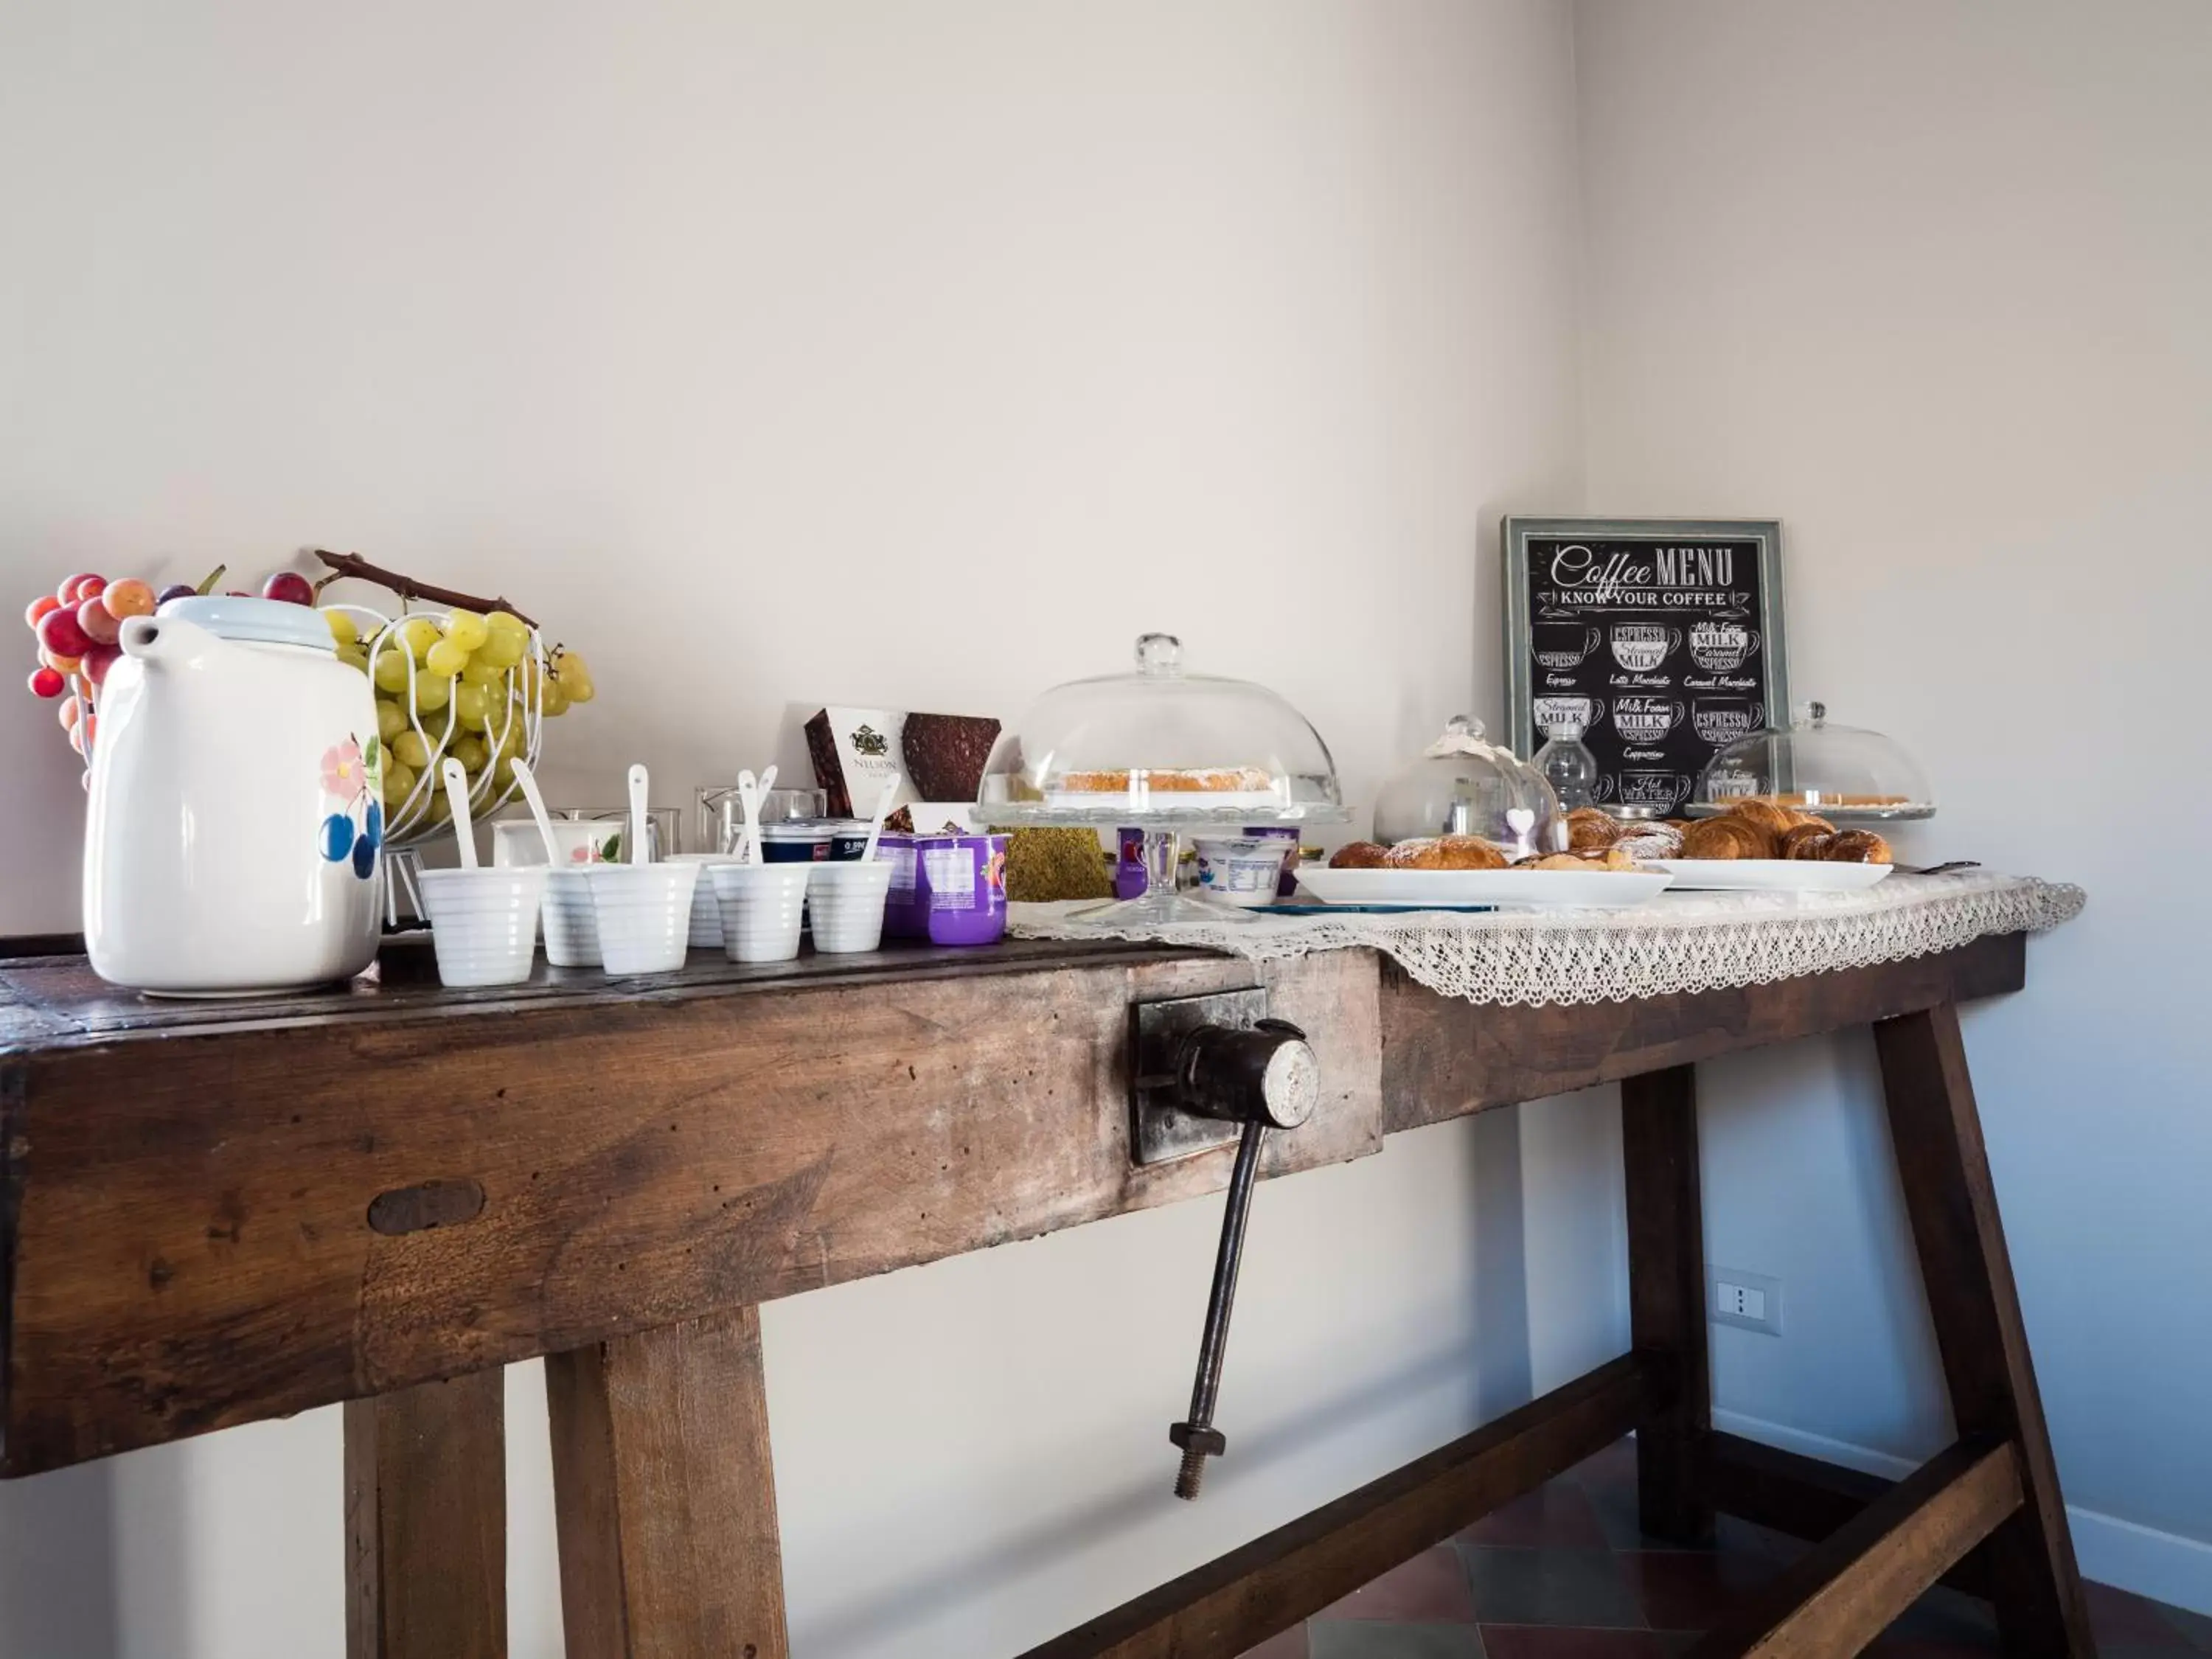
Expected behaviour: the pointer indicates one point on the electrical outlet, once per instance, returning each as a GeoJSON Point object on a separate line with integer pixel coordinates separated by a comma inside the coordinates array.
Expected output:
{"type": "Point", "coordinates": [1752, 1301]}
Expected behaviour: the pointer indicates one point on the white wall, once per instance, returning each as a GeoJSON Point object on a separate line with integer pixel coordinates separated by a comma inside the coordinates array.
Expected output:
{"type": "Point", "coordinates": [861, 352]}
{"type": "Point", "coordinates": [1929, 280]}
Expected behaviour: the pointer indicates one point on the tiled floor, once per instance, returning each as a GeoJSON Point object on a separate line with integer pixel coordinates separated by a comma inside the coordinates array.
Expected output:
{"type": "Point", "coordinates": [1565, 1574]}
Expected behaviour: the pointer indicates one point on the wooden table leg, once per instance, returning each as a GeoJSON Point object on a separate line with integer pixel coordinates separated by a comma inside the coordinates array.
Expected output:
{"type": "Point", "coordinates": [426, 1522]}
{"type": "Point", "coordinates": [1953, 1205]}
{"type": "Point", "coordinates": [1667, 1300]}
{"type": "Point", "coordinates": [664, 1496]}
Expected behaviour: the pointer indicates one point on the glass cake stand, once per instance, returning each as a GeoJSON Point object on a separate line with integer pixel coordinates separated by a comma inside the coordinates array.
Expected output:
{"type": "Point", "coordinates": [1166, 752]}
{"type": "Point", "coordinates": [1847, 773]}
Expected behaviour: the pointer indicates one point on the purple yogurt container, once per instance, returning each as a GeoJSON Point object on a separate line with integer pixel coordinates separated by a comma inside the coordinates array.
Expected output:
{"type": "Point", "coordinates": [906, 913]}
{"type": "Point", "coordinates": [960, 887]}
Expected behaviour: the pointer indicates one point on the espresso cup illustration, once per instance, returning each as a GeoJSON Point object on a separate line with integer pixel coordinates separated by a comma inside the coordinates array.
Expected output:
{"type": "Point", "coordinates": [1719, 647]}
{"type": "Point", "coordinates": [1644, 720]}
{"type": "Point", "coordinates": [1721, 721]}
{"type": "Point", "coordinates": [1642, 647]}
{"type": "Point", "coordinates": [1560, 646]}
{"type": "Point", "coordinates": [1568, 711]}
{"type": "Point", "coordinates": [1659, 789]}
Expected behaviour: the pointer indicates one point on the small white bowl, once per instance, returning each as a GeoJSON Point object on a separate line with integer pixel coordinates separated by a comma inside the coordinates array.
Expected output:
{"type": "Point", "coordinates": [1246, 872]}
{"type": "Point", "coordinates": [845, 897]}
{"type": "Point", "coordinates": [572, 922]}
{"type": "Point", "coordinates": [705, 910]}
{"type": "Point", "coordinates": [644, 914]}
{"type": "Point", "coordinates": [760, 906]}
{"type": "Point", "coordinates": [483, 923]}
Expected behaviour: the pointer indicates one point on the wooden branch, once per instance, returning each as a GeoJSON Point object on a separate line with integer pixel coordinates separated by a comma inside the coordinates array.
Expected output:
{"type": "Point", "coordinates": [352, 564]}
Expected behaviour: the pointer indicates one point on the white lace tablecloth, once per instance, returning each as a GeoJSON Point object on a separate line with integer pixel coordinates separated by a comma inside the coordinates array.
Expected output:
{"type": "Point", "coordinates": [1678, 942]}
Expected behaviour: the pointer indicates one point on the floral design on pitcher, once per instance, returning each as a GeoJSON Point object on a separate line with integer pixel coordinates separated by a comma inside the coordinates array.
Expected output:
{"type": "Point", "coordinates": [354, 772]}
{"type": "Point", "coordinates": [345, 774]}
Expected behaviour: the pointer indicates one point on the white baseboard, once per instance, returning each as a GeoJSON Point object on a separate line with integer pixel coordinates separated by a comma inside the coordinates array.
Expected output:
{"type": "Point", "coordinates": [2163, 1565]}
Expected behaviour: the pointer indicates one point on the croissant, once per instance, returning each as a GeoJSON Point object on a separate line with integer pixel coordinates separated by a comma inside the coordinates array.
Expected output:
{"type": "Point", "coordinates": [1728, 836]}
{"type": "Point", "coordinates": [1764, 816]}
{"type": "Point", "coordinates": [1445, 852]}
{"type": "Point", "coordinates": [1806, 840]}
{"type": "Point", "coordinates": [1590, 831]}
{"type": "Point", "coordinates": [1857, 847]}
{"type": "Point", "coordinates": [1359, 856]}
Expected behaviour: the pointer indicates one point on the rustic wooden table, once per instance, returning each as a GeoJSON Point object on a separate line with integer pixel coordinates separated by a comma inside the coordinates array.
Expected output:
{"type": "Point", "coordinates": [212, 1214]}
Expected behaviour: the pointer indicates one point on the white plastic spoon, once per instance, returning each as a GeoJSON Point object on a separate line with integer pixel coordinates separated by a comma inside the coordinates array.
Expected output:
{"type": "Point", "coordinates": [637, 848]}
{"type": "Point", "coordinates": [749, 797]}
{"type": "Point", "coordinates": [883, 810]}
{"type": "Point", "coordinates": [457, 797]}
{"type": "Point", "coordinates": [528, 779]}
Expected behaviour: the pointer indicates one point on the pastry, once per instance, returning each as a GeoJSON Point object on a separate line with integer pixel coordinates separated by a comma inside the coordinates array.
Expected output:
{"type": "Point", "coordinates": [1205, 779]}
{"type": "Point", "coordinates": [1056, 864]}
{"type": "Point", "coordinates": [1590, 831]}
{"type": "Point", "coordinates": [1821, 798]}
{"type": "Point", "coordinates": [1728, 836]}
{"type": "Point", "coordinates": [1650, 842]}
{"type": "Point", "coordinates": [1613, 858]}
{"type": "Point", "coordinates": [1359, 856]}
{"type": "Point", "coordinates": [1764, 815]}
{"type": "Point", "coordinates": [1857, 847]}
{"type": "Point", "coordinates": [1445, 852]}
{"type": "Point", "coordinates": [1805, 841]}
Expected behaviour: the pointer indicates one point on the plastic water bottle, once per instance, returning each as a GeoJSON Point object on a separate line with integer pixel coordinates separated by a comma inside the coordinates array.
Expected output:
{"type": "Point", "coordinates": [1571, 769]}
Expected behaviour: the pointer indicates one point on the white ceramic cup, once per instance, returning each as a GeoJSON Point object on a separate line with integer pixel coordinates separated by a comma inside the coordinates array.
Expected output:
{"type": "Point", "coordinates": [846, 899]}
{"type": "Point", "coordinates": [644, 914]}
{"type": "Point", "coordinates": [572, 922]}
{"type": "Point", "coordinates": [706, 908]}
{"type": "Point", "coordinates": [483, 923]}
{"type": "Point", "coordinates": [761, 905]}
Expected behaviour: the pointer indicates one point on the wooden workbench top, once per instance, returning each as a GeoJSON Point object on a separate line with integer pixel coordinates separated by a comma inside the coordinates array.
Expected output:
{"type": "Point", "coordinates": [213, 1212]}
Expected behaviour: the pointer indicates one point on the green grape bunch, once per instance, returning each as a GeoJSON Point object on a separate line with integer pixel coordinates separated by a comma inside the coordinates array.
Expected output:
{"type": "Point", "coordinates": [462, 684]}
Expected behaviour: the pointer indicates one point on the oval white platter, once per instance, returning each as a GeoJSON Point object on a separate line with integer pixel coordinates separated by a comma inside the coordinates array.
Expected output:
{"type": "Point", "coordinates": [1769, 875]}
{"type": "Point", "coordinates": [1415, 890]}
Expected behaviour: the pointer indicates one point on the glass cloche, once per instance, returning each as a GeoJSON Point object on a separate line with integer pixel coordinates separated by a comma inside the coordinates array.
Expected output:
{"type": "Point", "coordinates": [1847, 773]}
{"type": "Point", "coordinates": [1165, 751]}
{"type": "Point", "coordinates": [1464, 785]}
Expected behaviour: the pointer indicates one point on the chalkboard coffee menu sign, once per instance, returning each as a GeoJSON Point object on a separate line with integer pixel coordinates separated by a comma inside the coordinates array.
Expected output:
{"type": "Point", "coordinates": [1662, 638]}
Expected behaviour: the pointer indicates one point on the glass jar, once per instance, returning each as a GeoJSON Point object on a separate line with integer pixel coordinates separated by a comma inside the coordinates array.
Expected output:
{"type": "Point", "coordinates": [1162, 752]}
{"type": "Point", "coordinates": [1847, 773]}
{"type": "Point", "coordinates": [1462, 785]}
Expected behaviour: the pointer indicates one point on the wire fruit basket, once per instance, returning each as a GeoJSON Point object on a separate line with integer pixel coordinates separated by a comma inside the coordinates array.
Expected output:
{"type": "Point", "coordinates": [487, 715]}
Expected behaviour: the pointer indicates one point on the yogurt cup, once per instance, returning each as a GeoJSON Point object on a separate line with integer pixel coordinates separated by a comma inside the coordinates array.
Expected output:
{"type": "Point", "coordinates": [906, 914]}
{"type": "Point", "coordinates": [795, 843]}
{"type": "Point", "coordinates": [1245, 873]}
{"type": "Point", "coordinates": [1289, 883]}
{"type": "Point", "coordinates": [960, 888]}
{"type": "Point", "coordinates": [849, 837]}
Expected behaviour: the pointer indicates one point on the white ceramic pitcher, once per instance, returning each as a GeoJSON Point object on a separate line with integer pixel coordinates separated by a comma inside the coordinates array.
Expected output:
{"type": "Point", "coordinates": [234, 842]}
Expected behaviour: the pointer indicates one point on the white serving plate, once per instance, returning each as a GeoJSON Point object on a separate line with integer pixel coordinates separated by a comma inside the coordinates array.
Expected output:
{"type": "Point", "coordinates": [1579, 890]}
{"type": "Point", "coordinates": [1769, 875]}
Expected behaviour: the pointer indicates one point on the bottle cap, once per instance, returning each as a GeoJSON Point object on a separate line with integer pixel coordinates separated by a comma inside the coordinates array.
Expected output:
{"type": "Point", "coordinates": [1563, 732]}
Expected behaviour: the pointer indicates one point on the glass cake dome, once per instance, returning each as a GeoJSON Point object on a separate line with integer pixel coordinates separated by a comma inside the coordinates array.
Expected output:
{"type": "Point", "coordinates": [1463, 786]}
{"type": "Point", "coordinates": [1164, 752]}
{"type": "Point", "coordinates": [1847, 773]}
